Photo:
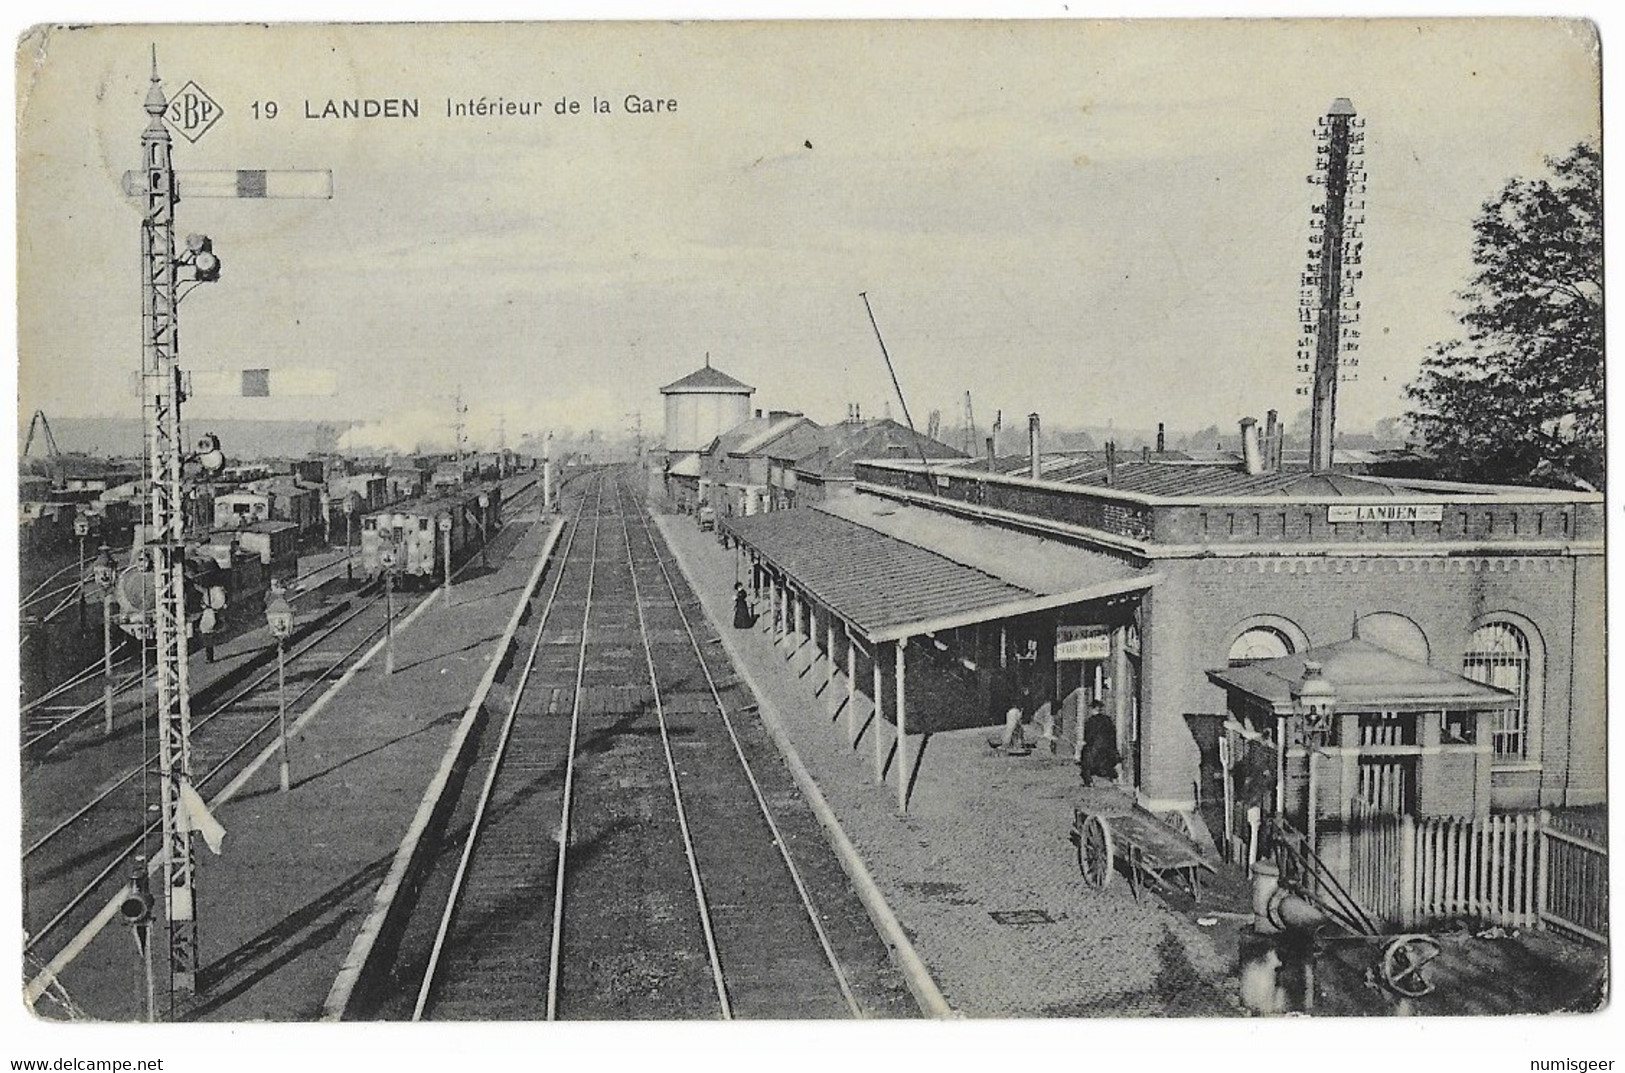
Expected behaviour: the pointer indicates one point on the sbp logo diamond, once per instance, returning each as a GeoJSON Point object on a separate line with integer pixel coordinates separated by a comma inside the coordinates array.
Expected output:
{"type": "Point", "coordinates": [192, 112]}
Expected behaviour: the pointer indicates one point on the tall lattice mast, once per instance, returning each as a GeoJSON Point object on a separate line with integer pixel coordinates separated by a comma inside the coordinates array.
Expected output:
{"type": "Point", "coordinates": [161, 398]}
{"type": "Point", "coordinates": [1329, 314]}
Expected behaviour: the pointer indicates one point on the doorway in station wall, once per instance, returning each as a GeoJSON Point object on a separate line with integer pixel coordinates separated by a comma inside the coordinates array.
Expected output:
{"type": "Point", "coordinates": [1082, 655]}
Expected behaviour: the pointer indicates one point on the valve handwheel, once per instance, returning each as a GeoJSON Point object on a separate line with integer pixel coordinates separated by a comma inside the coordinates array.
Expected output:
{"type": "Point", "coordinates": [1403, 961]}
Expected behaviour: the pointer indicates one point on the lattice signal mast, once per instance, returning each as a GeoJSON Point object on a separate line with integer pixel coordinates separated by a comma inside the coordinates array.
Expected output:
{"type": "Point", "coordinates": [158, 187]}
{"type": "Point", "coordinates": [1329, 313]}
{"type": "Point", "coordinates": [161, 399]}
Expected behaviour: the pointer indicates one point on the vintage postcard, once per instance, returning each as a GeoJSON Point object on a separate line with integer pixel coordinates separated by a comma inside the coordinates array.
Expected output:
{"type": "Point", "coordinates": [1072, 522]}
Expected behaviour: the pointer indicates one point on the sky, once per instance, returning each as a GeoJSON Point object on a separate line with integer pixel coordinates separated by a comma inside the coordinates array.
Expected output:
{"type": "Point", "coordinates": [1100, 221]}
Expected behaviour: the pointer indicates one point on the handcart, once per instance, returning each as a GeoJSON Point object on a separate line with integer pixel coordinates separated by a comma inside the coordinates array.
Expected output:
{"type": "Point", "coordinates": [1108, 826]}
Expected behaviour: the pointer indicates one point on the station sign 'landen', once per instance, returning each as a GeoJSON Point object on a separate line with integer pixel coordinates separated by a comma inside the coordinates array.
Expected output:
{"type": "Point", "coordinates": [1386, 512]}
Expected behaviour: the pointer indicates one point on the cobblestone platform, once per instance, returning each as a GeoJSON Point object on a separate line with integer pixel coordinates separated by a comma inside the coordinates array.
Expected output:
{"type": "Point", "coordinates": [980, 871]}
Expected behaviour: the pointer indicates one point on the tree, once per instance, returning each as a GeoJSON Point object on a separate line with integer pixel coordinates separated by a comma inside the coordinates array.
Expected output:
{"type": "Point", "coordinates": [1520, 398]}
{"type": "Point", "coordinates": [1388, 430]}
{"type": "Point", "coordinates": [1203, 439]}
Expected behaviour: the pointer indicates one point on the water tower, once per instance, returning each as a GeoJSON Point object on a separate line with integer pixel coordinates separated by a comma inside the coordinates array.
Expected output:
{"type": "Point", "coordinates": [700, 407]}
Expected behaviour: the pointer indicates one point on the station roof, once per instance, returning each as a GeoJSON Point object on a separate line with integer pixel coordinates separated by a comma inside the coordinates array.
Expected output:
{"type": "Point", "coordinates": [894, 571]}
{"type": "Point", "coordinates": [1367, 679]}
{"type": "Point", "coordinates": [707, 379]}
{"type": "Point", "coordinates": [1178, 474]}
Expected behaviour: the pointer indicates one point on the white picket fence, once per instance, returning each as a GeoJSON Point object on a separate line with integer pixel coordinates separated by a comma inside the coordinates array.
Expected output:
{"type": "Point", "coordinates": [1512, 869]}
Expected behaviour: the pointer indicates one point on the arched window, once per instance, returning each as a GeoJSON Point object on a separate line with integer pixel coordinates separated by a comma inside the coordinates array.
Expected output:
{"type": "Point", "coordinates": [1499, 654]}
{"type": "Point", "coordinates": [1259, 643]}
{"type": "Point", "coordinates": [1396, 633]}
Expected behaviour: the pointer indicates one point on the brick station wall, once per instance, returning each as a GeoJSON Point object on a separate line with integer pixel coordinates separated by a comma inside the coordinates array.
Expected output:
{"type": "Point", "coordinates": [1464, 516]}
{"type": "Point", "coordinates": [1468, 518]}
{"type": "Point", "coordinates": [1192, 617]}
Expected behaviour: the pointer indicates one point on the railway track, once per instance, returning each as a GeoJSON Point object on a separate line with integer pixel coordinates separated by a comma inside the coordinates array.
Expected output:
{"type": "Point", "coordinates": [678, 893]}
{"type": "Point", "coordinates": [90, 812]}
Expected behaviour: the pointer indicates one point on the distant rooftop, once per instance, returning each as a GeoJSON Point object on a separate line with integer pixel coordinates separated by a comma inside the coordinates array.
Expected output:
{"type": "Point", "coordinates": [707, 379]}
{"type": "Point", "coordinates": [837, 447]}
{"type": "Point", "coordinates": [755, 433]}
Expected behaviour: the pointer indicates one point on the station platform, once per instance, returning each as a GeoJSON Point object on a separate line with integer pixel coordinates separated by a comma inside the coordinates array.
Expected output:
{"type": "Point", "coordinates": [982, 875]}
{"type": "Point", "coordinates": [980, 870]}
{"type": "Point", "coordinates": [280, 907]}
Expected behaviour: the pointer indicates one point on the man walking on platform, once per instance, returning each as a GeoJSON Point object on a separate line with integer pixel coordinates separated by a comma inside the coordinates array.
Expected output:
{"type": "Point", "coordinates": [1099, 756]}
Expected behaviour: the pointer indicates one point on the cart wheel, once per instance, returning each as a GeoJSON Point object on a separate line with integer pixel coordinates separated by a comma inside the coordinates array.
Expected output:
{"type": "Point", "coordinates": [1095, 852]}
{"type": "Point", "coordinates": [1403, 961]}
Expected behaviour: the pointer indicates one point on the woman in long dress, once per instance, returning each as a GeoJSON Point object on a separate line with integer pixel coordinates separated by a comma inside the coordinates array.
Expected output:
{"type": "Point", "coordinates": [743, 618]}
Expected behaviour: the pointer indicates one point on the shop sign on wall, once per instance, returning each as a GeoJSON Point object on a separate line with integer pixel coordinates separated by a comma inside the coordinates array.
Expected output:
{"type": "Point", "coordinates": [1083, 642]}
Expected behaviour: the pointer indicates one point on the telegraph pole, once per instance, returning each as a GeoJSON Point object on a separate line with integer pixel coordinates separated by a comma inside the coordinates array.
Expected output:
{"type": "Point", "coordinates": [1328, 313]}
{"type": "Point", "coordinates": [547, 472]}
{"type": "Point", "coordinates": [460, 408]}
{"type": "Point", "coordinates": [157, 186]}
{"type": "Point", "coordinates": [637, 436]}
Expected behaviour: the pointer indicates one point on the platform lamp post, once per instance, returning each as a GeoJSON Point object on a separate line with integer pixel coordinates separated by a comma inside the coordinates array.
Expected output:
{"type": "Point", "coordinates": [135, 909]}
{"type": "Point", "coordinates": [387, 560]}
{"type": "Point", "coordinates": [443, 522]}
{"type": "Point", "coordinates": [279, 617]}
{"type": "Point", "coordinates": [105, 575]}
{"type": "Point", "coordinates": [485, 503]}
{"type": "Point", "coordinates": [81, 529]}
{"type": "Point", "coordinates": [351, 501]}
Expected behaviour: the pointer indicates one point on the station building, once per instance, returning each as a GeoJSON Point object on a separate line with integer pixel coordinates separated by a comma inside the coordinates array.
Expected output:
{"type": "Point", "coordinates": [734, 467]}
{"type": "Point", "coordinates": [802, 470]}
{"type": "Point", "coordinates": [1464, 622]}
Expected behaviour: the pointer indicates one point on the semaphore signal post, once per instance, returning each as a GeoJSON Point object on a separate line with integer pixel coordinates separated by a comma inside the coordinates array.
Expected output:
{"type": "Point", "coordinates": [164, 270]}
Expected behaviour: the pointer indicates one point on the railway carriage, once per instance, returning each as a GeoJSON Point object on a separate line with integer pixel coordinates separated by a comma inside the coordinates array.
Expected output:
{"type": "Point", "coordinates": [413, 530]}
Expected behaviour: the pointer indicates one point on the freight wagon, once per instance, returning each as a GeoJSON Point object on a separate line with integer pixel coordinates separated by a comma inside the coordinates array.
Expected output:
{"type": "Point", "coordinates": [416, 532]}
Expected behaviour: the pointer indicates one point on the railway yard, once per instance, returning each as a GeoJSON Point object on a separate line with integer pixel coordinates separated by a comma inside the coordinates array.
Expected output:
{"type": "Point", "coordinates": [727, 853]}
{"type": "Point", "coordinates": [411, 870]}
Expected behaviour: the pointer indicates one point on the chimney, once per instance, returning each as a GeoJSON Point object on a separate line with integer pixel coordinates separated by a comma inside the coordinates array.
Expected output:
{"type": "Point", "coordinates": [857, 411]}
{"type": "Point", "coordinates": [1250, 455]}
{"type": "Point", "coordinates": [990, 464]}
{"type": "Point", "coordinates": [1271, 446]}
{"type": "Point", "coordinates": [1162, 438]}
{"type": "Point", "coordinates": [1111, 463]}
{"type": "Point", "coordinates": [1145, 453]}
{"type": "Point", "coordinates": [1032, 446]}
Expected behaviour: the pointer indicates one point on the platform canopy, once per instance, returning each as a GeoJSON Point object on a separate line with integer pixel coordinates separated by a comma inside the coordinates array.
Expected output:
{"type": "Point", "coordinates": [893, 571]}
{"type": "Point", "coordinates": [1367, 678]}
